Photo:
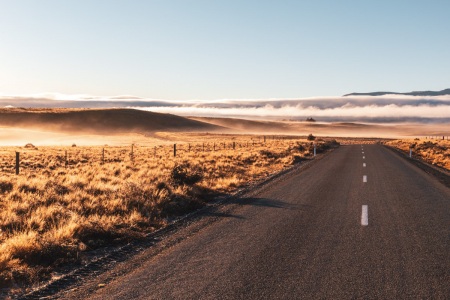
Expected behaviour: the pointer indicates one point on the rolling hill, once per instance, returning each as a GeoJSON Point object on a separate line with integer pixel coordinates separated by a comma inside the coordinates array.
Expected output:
{"type": "Point", "coordinates": [99, 120]}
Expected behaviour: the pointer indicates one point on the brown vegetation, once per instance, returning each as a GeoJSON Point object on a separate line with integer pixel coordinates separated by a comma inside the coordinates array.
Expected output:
{"type": "Point", "coordinates": [59, 207]}
{"type": "Point", "coordinates": [433, 151]}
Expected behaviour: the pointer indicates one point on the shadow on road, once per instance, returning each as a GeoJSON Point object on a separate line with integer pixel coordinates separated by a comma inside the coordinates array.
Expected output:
{"type": "Point", "coordinates": [263, 202]}
{"type": "Point", "coordinates": [257, 202]}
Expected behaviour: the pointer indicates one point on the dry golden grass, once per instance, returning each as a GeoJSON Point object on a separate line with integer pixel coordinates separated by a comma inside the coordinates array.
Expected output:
{"type": "Point", "coordinates": [433, 151]}
{"type": "Point", "coordinates": [359, 141]}
{"type": "Point", "coordinates": [51, 213]}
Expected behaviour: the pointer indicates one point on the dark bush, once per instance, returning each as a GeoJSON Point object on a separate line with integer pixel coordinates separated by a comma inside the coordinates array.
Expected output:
{"type": "Point", "coordinates": [185, 175]}
{"type": "Point", "coordinates": [297, 159]}
{"type": "Point", "coordinates": [28, 188]}
{"type": "Point", "coordinates": [311, 137]}
{"type": "Point", "coordinates": [300, 147]}
{"type": "Point", "coordinates": [5, 187]}
{"type": "Point", "coordinates": [269, 154]}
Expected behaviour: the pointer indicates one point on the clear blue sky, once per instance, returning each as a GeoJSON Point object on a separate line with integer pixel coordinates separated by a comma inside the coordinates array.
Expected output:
{"type": "Point", "coordinates": [208, 49]}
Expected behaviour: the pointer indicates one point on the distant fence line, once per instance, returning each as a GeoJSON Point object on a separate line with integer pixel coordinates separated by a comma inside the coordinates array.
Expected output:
{"type": "Point", "coordinates": [437, 137]}
{"type": "Point", "coordinates": [88, 155]}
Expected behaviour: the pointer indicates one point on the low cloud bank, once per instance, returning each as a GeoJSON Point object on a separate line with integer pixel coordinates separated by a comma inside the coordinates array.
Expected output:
{"type": "Point", "coordinates": [375, 109]}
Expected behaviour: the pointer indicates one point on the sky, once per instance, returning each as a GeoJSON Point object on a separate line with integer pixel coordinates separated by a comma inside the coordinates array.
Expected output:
{"type": "Point", "coordinates": [207, 49]}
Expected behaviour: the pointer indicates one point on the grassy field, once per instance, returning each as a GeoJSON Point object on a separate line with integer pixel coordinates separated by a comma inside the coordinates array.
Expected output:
{"type": "Point", "coordinates": [61, 206]}
{"type": "Point", "coordinates": [433, 151]}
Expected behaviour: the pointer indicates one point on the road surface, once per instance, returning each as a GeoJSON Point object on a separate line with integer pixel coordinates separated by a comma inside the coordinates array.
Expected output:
{"type": "Point", "coordinates": [361, 223]}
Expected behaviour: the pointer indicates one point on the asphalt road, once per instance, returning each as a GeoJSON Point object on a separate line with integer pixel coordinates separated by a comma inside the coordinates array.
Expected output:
{"type": "Point", "coordinates": [303, 238]}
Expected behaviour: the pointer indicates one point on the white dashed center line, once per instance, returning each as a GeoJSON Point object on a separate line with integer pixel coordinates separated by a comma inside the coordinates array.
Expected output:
{"type": "Point", "coordinates": [365, 215]}
{"type": "Point", "coordinates": [364, 157]}
{"type": "Point", "coordinates": [364, 165]}
{"type": "Point", "coordinates": [365, 178]}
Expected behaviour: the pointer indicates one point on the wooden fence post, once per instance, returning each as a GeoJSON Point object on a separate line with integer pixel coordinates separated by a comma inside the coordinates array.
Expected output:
{"type": "Point", "coordinates": [234, 145]}
{"type": "Point", "coordinates": [17, 162]}
{"type": "Point", "coordinates": [65, 159]}
{"type": "Point", "coordinates": [103, 156]}
{"type": "Point", "coordinates": [174, 150]}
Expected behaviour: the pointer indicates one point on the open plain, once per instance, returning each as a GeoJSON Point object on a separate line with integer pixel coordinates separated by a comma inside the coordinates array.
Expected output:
{"type": "Point", "coordinates": [75, 190]}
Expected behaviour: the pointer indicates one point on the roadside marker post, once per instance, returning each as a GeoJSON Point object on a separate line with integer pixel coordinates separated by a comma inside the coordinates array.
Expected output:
{"type": "Point", "coordinates": [410, 152]}
{"type": "Point", "coordinates": [314, 149]}
{"type": "Point", "coordinates": [174, 150]}
{"type": "Point", "coordinates": [17, 162]}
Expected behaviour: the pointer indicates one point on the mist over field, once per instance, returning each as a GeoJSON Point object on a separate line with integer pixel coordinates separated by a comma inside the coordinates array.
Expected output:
{"type": "Point", "coordinates": [370, 109]}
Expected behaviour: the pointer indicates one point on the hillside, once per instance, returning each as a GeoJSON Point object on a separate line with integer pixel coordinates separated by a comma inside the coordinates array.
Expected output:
{"type": "Point", "coordinates": [415, 93]}
{"type": "Point", "coordinates": [246, 125]}
{"type": "Point", "coordinates": [99, 120]}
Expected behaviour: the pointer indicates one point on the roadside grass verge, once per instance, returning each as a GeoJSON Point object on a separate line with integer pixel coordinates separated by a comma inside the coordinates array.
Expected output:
{"type": "Point", "coordinates": [435, 152]}
{"type": "Point", "coordinates": [61, 206]}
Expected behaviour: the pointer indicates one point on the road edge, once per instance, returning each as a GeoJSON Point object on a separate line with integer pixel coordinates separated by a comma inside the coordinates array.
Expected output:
{"type": "Point", "coordinates": [111, 256]}
{"type": "Point", "coordinates": [442, 175]}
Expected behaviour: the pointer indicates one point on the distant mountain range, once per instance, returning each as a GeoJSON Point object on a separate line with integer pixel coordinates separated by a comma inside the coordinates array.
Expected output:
{"type": "Point", "coordinates": [416, 93]}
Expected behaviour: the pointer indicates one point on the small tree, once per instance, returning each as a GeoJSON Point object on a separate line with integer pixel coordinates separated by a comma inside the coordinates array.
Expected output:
{"type": "Point", "coordinates": [311, 137]}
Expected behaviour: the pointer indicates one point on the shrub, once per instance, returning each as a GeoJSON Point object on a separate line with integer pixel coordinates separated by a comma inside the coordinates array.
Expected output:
{"type": "Point", "coordinates": [300, 147]}
{"type": "Point", "coordinates": [184, 175]}
{"type": "Point", "coordinates": [269, 154]}
{"type": "Point", "coordinates": [311, 137]}
{"type": "Point", "coordinates": [5, 186]}
{"type": "Point", "coordinates": [297, 159]}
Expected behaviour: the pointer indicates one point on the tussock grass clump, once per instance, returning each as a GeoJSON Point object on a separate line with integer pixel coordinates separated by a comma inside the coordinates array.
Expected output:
{"type": "Point", "coordinates": [5, 186]}
{"type": "Point", "coordinates": [184, 174]}
{"type": "Point", "coordinates": [53, 212]}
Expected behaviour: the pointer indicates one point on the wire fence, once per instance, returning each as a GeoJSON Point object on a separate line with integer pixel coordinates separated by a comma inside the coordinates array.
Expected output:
{"type": "Point", "coordinates": [14, 160]}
